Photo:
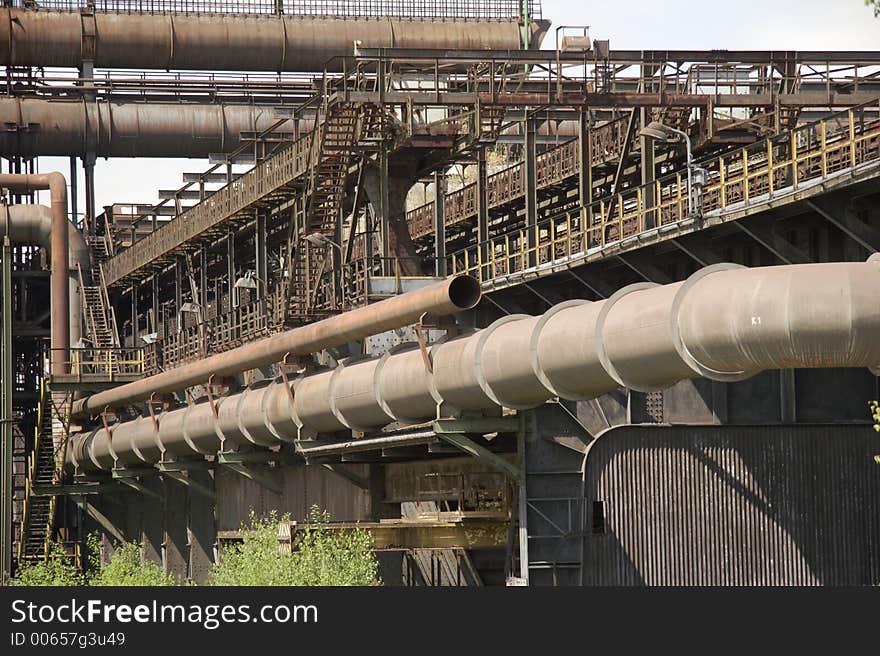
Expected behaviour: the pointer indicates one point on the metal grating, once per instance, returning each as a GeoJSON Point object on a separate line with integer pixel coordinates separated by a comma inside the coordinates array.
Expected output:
{"type": "Point", "coordinates": [767, 505]}
{"type": "Point", "coordinates": [453, 9]}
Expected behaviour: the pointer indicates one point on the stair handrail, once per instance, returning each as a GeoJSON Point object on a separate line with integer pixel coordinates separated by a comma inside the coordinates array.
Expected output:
{"type": "Point", "coordinates": [105, 305]}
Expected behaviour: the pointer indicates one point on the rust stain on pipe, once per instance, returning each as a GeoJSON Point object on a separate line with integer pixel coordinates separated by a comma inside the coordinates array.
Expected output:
{"type": "Point", "coordinates": [240, 43]}
{"type": "Point", "coordinates": [452, 295]}
{"type": "Point", "coordinates": [725, 323]}
{"type": "Point", "coordinates": [129, 129]}
{"type": "Point", "coordinates": [57, 186]}
{"type": "Point", "coordinates": [32, 224]}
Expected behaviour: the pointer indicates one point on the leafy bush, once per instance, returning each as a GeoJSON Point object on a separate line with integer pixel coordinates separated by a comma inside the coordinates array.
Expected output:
{"type": "Point", "coordinates": [56, 570]}
{"type": "Point", "coordinates": [320, 557]}
{"type": "Point", "coordinates": [124, 567]}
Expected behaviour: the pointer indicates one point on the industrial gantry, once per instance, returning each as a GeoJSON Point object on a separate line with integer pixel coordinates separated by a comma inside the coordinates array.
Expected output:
{"type": "Point", "coordinates": [538, 316]}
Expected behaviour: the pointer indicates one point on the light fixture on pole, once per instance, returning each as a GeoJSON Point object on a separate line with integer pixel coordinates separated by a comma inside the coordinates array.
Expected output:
{"type": "Point", "coordinates": [665, 134]}
{"type": "Point", "coordinates": [150, 338]}
{"type": "Point", "coordinates": [188, 307]}
{"type": "Point", "coordinates": [321, 241]}
{"type": "Point", "coordinates": [248, 281]}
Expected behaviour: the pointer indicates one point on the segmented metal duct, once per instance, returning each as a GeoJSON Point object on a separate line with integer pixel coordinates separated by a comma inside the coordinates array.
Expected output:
{"type": "Point", "coordinates": [725, 322]}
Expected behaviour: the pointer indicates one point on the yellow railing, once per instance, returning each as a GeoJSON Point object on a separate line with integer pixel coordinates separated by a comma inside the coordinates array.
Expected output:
{"type": "Point", "coordinates": [101, 362]}
{"type": "Point", "coordinates": [811, 152]}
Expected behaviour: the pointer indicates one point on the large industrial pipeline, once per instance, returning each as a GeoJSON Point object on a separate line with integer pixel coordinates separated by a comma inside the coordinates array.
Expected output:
{"type": "Point", "coordinates": [233, 43]}
{"type": "Point", "coordinates": [59, 241]}
{"type": "Point", "coordinates": [130, 129]}
{"type": "Point", "coordinates": [32, 225]}
{"type": "Point", "coordinates": [438, 299]}
{"type": "Point", "coordinates": [725, 323]}
{"type": "Point", "coordinates": [39, 126]}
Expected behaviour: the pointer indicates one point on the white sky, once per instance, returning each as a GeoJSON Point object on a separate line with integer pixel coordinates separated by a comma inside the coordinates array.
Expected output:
{"type": "Point", "coordinates": [629, 24]}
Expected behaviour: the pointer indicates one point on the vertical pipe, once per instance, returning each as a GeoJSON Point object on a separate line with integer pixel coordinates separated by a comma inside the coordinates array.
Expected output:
{"type": "Point", "coordinates": [59, 292]}
{"type": "Point", "coordinates": [74, 196]}
{"type": "Point", "coordinates": [89, 168]}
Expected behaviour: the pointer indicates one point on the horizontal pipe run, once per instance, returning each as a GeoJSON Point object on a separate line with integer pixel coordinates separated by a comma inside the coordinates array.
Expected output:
{"type": "Point", "coordinates": [725, 323]}
{"type": "Point", "coordinates": [231, 43]}
{"type": "Point", "coordinates": [130, 129]}
{"type": "Point", "coordinates": [439, 299]}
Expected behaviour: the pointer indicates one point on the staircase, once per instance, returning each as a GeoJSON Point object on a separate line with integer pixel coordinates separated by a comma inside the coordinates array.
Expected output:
{"type": "Point", "coordinates": [343, 129]}
{"type": "Point", "coordinates": [100, 318]}
{"type": "Point", "coordinates": [38, 510]}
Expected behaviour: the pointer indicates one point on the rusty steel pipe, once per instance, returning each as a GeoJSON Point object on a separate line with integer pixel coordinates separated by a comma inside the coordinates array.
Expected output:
{"type": "Point", "coordinates": [57, 186]}
{"type": "Point", "coordinates": [233, 43]}
{"type": "Point", "coordinates": [442, 298]}
{"type": "Point", "coordinates": [130, 129]}
{"type": "Point", "coordinates": [725, 322]}
{"type": "Point", "coordinates": [32, 224]}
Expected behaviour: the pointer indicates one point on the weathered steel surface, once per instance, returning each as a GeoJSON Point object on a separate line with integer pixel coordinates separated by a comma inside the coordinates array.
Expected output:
{"type": "Point", "coordinates": [750, 505]}
{"type": "Point", "coordinates": [439, 299]}
{"type": "Point", "coordinates": [725, 323]}
{"type": "Point", "coordinates": [242, 43]}
{"type": "Point", "coordinates": [59, 241]}
{"type": "Point", "coordinates": [65, 127]}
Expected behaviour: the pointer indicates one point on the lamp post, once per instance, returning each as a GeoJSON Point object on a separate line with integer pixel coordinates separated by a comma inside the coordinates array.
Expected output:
{"type": "Point", "coordinates": [664, 133]}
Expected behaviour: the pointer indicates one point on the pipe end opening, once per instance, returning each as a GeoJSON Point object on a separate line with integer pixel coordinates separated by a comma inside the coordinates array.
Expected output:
{"type": "Point", "coordinates": [465, 292]}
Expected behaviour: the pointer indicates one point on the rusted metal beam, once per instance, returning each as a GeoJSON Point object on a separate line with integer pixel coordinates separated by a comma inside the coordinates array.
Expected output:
{"type": "Point", "coordinates": [472, 531]}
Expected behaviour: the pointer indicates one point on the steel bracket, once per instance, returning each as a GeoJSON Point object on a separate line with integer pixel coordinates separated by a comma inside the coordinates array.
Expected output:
{"type": "Point", "coordinates": [241, 463]}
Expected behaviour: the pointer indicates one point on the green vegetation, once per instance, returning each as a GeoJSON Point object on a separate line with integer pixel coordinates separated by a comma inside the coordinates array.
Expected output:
{"type": "Point", "coordinates": [875, 4]}
{"type": "Point", "coordinates": [320, 556]}
{"type": "Point", "coordinates": [56, 570]}
{"type": "Point", "coordinates": [124, 567]}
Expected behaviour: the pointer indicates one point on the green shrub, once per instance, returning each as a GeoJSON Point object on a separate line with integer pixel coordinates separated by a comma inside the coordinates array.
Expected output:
{"type": "Point", "coordinates": [57, 569]}
{"type": "Point", "coordinates": [320, 557]}
{"type": "Point", "coordinates": [125, 568]}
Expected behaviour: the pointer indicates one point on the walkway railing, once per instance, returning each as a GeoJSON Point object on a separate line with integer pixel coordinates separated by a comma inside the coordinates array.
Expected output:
{"type": "Point", "coordinates": [760, 171]}
{"type": "Point", "coordinates": [471, 9]}
{"type": "Point", "coordinates": [100, 364]}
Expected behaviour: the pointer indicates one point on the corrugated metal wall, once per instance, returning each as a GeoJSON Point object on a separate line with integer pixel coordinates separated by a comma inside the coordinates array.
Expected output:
{"type": "Point", "coordinates": [723, 505]}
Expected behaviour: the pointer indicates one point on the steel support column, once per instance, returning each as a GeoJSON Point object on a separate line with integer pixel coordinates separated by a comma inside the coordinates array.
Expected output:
{"type": "Point", "coordinates": [6, 383]}
{"type": "Point", "coordinates": [383, 221]}
{"type": "Point", "coordinates": [203, 280]}
{"type": "Point", "coordinates": [440, 224]}
{"type": "Point", "coordinates": [585, 164]}
{"type": "Point", "coordinates": [531, 188]}
{"type": "Point", "coordinates": [260, 254]}
{"type": "Point", "coordinates": [646, 147]}
{"type": "Point", "coordinates": [482, 209]}
{"type": "Point", "coordinates": [230, 269]}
